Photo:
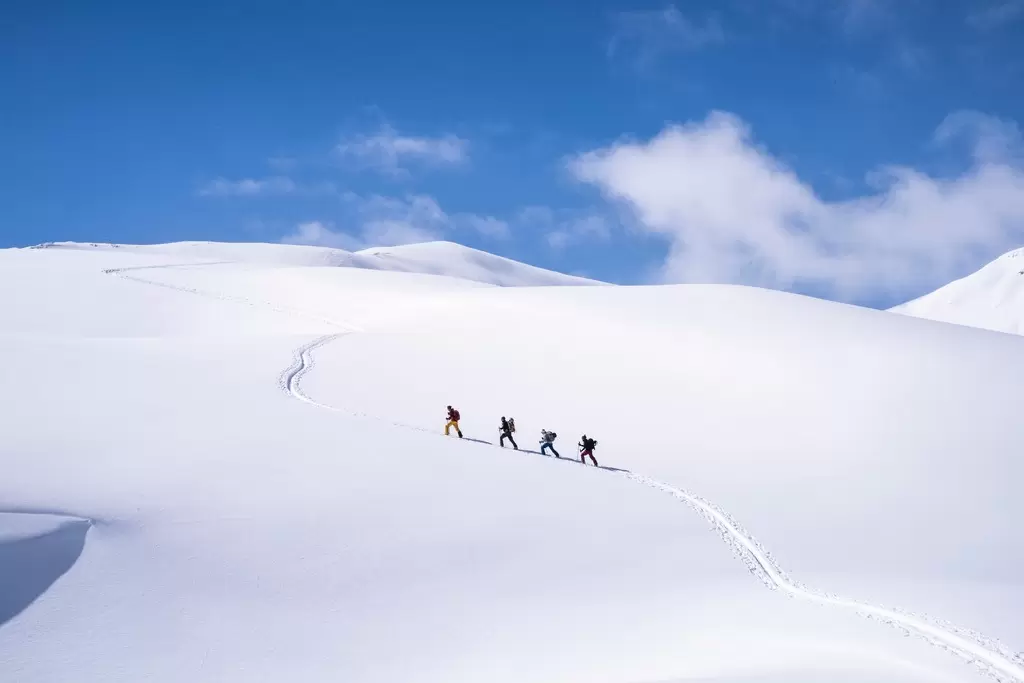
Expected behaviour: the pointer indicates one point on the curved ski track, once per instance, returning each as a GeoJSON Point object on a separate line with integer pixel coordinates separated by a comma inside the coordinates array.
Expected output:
{"type": "Point", "coordinates": [988, 655]}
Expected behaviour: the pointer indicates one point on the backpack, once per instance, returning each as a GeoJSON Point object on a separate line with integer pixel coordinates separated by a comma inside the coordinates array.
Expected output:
{"type": "Point", "coordinates": [511, 425]}
{"type": "Point", "coordinates": [455, 415]}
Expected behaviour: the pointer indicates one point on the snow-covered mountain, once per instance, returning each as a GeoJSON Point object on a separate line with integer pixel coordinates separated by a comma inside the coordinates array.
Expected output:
{"type": "Point", "coordinates": [991, 298]}
{"type": "Point", "coordinates": [436, 258]}
{"type": "Point", "coordinates": [227, 469]}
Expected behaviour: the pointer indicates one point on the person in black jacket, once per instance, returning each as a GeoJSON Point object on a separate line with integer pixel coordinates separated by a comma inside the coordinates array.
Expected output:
{"type": "Point", "coordinates": [507, 427]}
{"type": "Point", "coordinates": [587, 446]}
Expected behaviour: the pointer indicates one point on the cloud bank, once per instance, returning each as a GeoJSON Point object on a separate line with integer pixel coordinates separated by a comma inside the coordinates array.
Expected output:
{"type": "Point", "coordinates": [733, 213]}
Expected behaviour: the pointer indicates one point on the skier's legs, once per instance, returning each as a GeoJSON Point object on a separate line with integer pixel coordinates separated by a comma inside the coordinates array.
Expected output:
{"type": "Point", "coordinates": [514, 444]}
{"type": "Point", "coordinates": [554, 451]}
{"type": "Point", "coordinates": [447, 427]}
{"type": "Point", "coordinates": [501, 439]}
{"type": "Point", "coordinates": [543, 445]}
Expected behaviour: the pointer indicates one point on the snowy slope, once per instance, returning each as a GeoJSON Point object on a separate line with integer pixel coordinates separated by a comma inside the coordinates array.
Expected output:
{"type": "Point", "coordinates": [233, 472]}
{"type": "Point", "coordinates": [193, 252]}
{"type": "Point", "coordinates": [991, 298]}
{"type": "Point", "coordinates": [448, 258]}
{"type": "Point", "coordinates": [436, 258]}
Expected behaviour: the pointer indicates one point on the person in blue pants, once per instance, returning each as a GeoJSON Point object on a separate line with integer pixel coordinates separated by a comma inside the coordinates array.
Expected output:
{"type": "Point", "coordinates": [547, 440]}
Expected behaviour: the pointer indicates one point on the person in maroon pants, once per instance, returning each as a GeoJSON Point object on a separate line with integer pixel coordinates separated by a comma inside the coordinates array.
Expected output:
{"type": "Point", "coordinates": [587, 446]}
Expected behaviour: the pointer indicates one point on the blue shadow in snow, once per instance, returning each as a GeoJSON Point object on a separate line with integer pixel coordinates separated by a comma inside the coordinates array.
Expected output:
{"type": "Point", "coordinates": [575, 458]}
{"type": "Point", "coordinates": [29, 566]}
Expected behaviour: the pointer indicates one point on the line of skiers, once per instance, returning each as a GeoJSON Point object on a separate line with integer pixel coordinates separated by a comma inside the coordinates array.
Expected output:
{"type": "Point", "coordinates": [508, 428]}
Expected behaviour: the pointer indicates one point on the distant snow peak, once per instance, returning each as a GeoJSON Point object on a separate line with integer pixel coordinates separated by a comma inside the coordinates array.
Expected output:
{"type": "Point", "coordinates": [991, 298]}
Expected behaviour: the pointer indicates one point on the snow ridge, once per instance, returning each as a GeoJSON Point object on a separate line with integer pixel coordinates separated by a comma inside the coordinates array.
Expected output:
{"type": "Point", "coordinates": [986, 654]}
{"type": "Point", "coordinates": [445, 259]}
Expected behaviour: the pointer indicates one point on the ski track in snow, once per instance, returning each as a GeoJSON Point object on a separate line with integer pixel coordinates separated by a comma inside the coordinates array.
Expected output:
{"type": "Point", "coordinates": [986, 654]}
{"type": "Point", "coordinates": [126, 274]}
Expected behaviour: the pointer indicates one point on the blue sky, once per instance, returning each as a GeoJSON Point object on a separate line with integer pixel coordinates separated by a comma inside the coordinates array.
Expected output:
{"type": "Point", "coordinates": [863, 150]}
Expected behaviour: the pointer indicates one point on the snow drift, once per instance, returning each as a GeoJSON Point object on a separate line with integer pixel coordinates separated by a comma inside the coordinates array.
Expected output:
{"type": "Point", "coordinates": [247, 535]}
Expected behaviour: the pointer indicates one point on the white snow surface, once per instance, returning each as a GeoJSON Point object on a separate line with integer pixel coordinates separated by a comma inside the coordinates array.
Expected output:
{"type": "Point", "coordinates": [233, 470]}
{"type": "Point", "coordinates": [436, 258]}
{"type": "Point", "coordinates": [991, 298]}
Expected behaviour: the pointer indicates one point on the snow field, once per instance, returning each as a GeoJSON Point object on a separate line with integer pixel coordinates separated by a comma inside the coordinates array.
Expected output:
{"type": "Point", "coordinates": [244, 535]}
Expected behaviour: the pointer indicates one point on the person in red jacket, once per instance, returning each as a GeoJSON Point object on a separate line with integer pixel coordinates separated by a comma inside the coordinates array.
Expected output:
{"type": "Point", "coordinates": [453, 421]}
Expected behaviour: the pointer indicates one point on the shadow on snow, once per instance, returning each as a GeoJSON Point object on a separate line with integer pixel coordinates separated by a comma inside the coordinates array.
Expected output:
{"type": "Point", "coordinates": [30, 565]}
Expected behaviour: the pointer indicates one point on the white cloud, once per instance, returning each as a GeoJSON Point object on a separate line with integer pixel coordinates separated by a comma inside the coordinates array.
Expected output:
{"type": "Point", "coordinates": [861, 15]}
{"type": "Point", "coordinates": [910, 58]}
{"type": "Point", "coordinates": [283, 164]}
{"type": "Point", "coordinates": [388, 151]}
{"type": "Point", "coordinates": [853, 17]}
{"type": "Point", "coordinates": [379, 221]}
{"type": "Point", "coordinates": [319, 234]}
{"type": "Point", "coordinates": [377, 233]}
{"type": "Point", "coordinates": [274, 186]}
{"type": "Point", "coordinates": [488, 226]}
{"type": "Point", "coordinates": [731, 212]}
{"type": "Point", "coordinates": [990, 139]}
{"type": "Point", "coordinates": [423, 216]}
{"type": "Point", "coordinates": [647, 35]}
{"type": "Point", "coordinates": [415, 208]}
{"type": "Point", "coordinates": [996, 14]}
{"type": "Point", "coordinates": [390, 221]}
{"type": "Point", "coordinates": [587, 229]}
{"type": "Point", "coordinates": [577, 230]}
{"type": "Point", "coordinates": [389, 233]}
{"type": "Point", "coordinates": [248, 187]}
{"type": "Point", "coordinates": [565, 227]}
{"type": "Point", "coordinates": [537, 215]}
